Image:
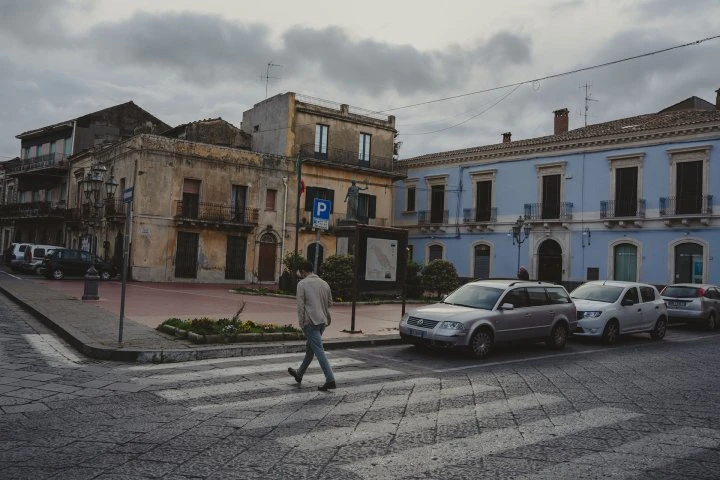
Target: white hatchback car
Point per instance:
(608, 309)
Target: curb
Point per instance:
(94, 350)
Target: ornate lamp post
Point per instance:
(520, 233)
(91, 185)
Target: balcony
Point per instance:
(115, 210)
(623, 212)
(433, 220)
(30, 210)
(481, 219)
(350, 159)
(51, 160)
(337, 218)
(215, 215)
(683, 209)
(549, 212)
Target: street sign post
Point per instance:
(320, 221)
(128, 199)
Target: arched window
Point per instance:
(435, 252)
(625, 262)
(481, 261)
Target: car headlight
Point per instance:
(404, 319)
(452, 326)
(591, 314)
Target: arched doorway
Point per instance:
(550, 261)
(688, 263)
(481, 263)
(625, 262)
(313, 249)
(267, 257)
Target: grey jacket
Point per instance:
(314, 300)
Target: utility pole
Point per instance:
(267, 76)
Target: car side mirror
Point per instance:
(627, 302)
(507, 306)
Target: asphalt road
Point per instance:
(641, 409)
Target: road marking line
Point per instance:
(274, 384)
(11, 275)
(213, 361)
(232, 371)
(633, 458)
(337, 437)
(417, 460)
(265, 403)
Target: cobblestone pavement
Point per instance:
(640, 410)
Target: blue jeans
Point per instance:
(314, 348)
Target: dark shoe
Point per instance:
(327, 386)
(294, 374)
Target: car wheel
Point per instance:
(658, 333)
(58, 274)
(558, 337)
(611, 334)
(481, 343)
(711, 322)
(105, 275)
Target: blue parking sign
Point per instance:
(321, 213)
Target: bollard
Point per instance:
(92, 279)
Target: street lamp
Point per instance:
(91, 185)
(520, 233)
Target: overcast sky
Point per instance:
(185, 60)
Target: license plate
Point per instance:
(676, 304)
(417, 333)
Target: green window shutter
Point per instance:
(309, 198)
(371, 206)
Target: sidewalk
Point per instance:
(92, 327)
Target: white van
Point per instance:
(37, 254)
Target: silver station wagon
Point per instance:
(479, 314)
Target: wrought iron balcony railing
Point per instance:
(482, 215)
(549, 211)
(115, 208)
(348, 157)
(33, 210)
(216, 213)
(336, 218)
(51, 160)
(686, 205)
(622, 208)
(433, 217)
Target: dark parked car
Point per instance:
(75, 263)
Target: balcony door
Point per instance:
(437, 204)
(239, 203)
(483, 202)
(551, 196)
(689, 187)
(550, 265)
(190, 198)
(267, 258)
(626, 191)
(689, 263)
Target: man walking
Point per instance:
(314, 300)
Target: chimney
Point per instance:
(717, 99)
(561, 121)
(506, 137)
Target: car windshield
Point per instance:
(681, 292)
(474, 296)
(598, 293)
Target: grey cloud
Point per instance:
(34, 22)
(668, 8)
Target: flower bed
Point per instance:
(228, 330)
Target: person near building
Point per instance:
(314, 300)
(523, 274)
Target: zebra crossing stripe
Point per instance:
(265, 403)
(56, 353)
(278, 384)
(629, 459)
(338, 437)
(192, 365)
(431, 457)
(232, 371)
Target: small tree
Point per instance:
(413, 280)
(337, 270)
(291, 262)
(440, 276)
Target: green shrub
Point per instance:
(440, 276)
(288, 279)
(227, 326)
(413, 280)
(337, 270)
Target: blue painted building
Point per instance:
(630, 199)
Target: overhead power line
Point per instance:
(555, 75)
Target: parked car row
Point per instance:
(482, 313)
(55, 262)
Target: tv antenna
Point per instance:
(267, 76)
(588, 99)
